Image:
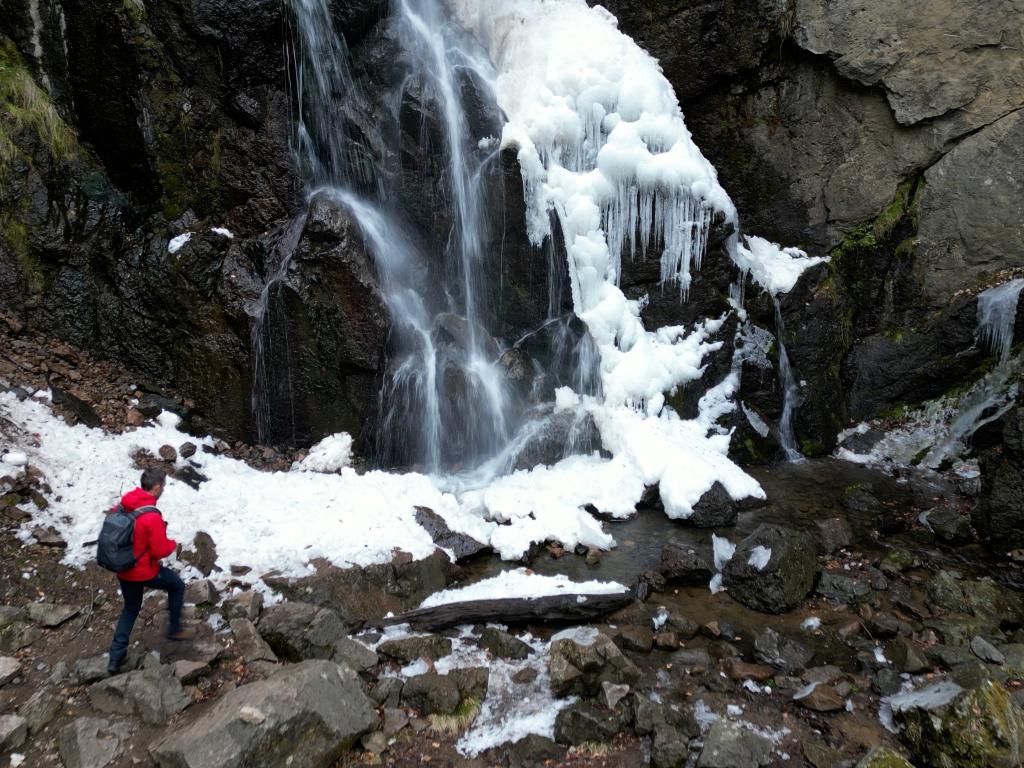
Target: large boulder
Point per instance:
(153, 694)
(307, 714)
(772, 570)
(297, 631)
(581, 659)
(947, 725)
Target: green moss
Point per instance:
(26, 110)
(883, 757)
(812, 448)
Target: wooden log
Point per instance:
(514, 610)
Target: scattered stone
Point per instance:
(946, 725)
(883, 757)
(250, 643)
(907, 656)
(92, 742)
(201, 592)
(13, 732)
(503, 645)
(985, 651)
(375, 742)
(388, 691)
(715, 509)
(827, 674)
(76, 406)
(820, 698)
(886, 681)
(167, 453)
(949, 525)
(633, 638)
(944, 592)
(154, 694)
(833, 534)
(10, 668)
(394, 721)
(431, 694)
(203, 555)
(89, 670)
(39, 710)
(730, 746)
(582, 659)
(667, 641)
(409, 649)
(134, 418)
(306, 714)
(843, 589)
(612, 694)
(785, 654)
(685, 564)
(593, 556)
(245, 605)
(742, 670)
(461, 545)
(49, 537)
(585, 722)
(297, 631)
(472, 682)
(50, 615)
(525, 676)
(783, 581)
(692, 659)
(189, 671)
(354, 654)
(669, 747)
(187, 450)
(687, 629)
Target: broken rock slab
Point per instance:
(92, 742)
(154, 694)
(306, 714)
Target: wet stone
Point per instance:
(431, 694)
(503, 645)
(730, 746)
(633, 638)
(832, 534)
(838, 588)
(819, 698)
(781, 582)
(409, 649)
(985, 651)
(388, 691)
(584, 722)
(687, 565)
(781, 652)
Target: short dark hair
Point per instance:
(151, 478)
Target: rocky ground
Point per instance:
(847, 592)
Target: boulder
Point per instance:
(15, 630)
(354, 654)
(250, 643)
(947, 725)
(244, 605)
(985, 651)
(686, 564)
(431, 694)
(388, 691)
(297, 631)
(585, 722)
(49, 615)
(772, 570)
(948, 525)
(472, 682)
(503, 645)
(13, 732)
(306, 714)
(153, 694)
(201, 592)
(10, 668)
(92, 742)
(409, 649)
(637, 639)
(535, 751)
(669, 747)
(832, 534)
(789, 656)
(907, 656)
(943, 591)
(729, 746)
(715, 509)
(190, 671)
(581, 659)
(839, 588)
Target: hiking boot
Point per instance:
(181, 634)
(114, 666)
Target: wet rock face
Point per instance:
(772, 570)
(999, 515)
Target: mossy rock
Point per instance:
(982, 728)
(883, 757)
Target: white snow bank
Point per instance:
(178, 242)
(278, 520)
(774, 268)
(524, 584)
(331, 454)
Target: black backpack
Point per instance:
(115, 549)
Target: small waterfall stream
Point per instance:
(790, 391)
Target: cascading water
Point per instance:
(790, 391)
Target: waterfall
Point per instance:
(791, 398)
(997, 312)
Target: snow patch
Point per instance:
(759, 557)
(774, 268)
(331, 454)
(522, 583)
(223, 232)
(178, 242)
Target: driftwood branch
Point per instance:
(514, 610)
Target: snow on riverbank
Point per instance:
(524, 584)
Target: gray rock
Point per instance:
(833, 534)
(944, 591)
(584, 722)
(409, 649)
(431, 694)
(461, 545)
(190, 671)
(15, 630)
(13, 732)
(201, 592)
(394, 721)
(306, 714)
(843, 589)
(633, 638)
(153, 694)
(583, 659)
(784, 581)
(92, 742)
(985, 651)
(819, 697)
(692, 659)
(203, 554)
(250, 643)
(245, 605)
(354, 654)
(187, 450)
(612, 694)
(50, 615)
(781, 652)
(388, 691)
(10, 668)
(686, 564)
(730, 746)
(39, 710)
(298, 631)
(88, 670)
(669, 747)
(535, 751)
(503, 645)
(472, 682)
(715, 509)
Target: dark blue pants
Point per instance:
(165, 579)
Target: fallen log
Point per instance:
(514, 610)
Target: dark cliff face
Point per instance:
(128, 124)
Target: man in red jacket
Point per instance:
(151, 544)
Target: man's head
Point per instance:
(153, 481)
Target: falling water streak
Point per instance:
(790, 392)
(997, 313)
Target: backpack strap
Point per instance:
(136, 513)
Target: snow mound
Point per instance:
(331, 454)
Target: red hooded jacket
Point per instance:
(151, 542)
